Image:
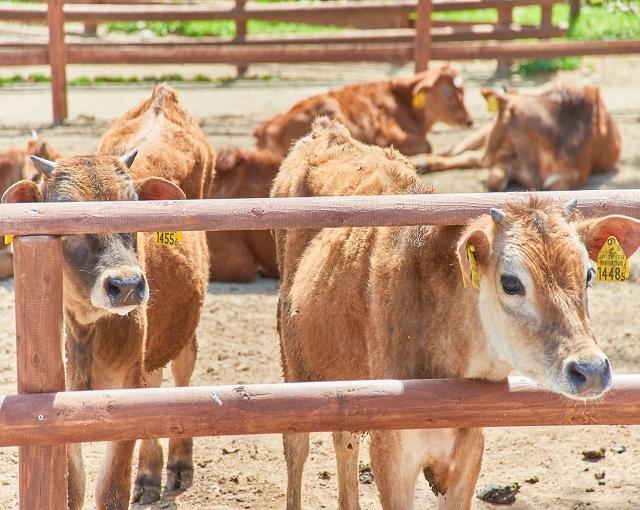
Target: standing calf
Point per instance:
(131, 306)
(552, 140)
(398, 112)
(397, 303)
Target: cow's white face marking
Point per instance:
(458, 82)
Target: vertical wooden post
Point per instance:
(241, 35)
(422, 50)
(574, 11)
(546, 16)
(505, 18)
(90, 27)
(57, 60)
(38, 289)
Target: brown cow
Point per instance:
(238, 256)
(397, 303)
(14, 166)
(398, 112)
(131, 305)
(162, 120)
(551, 140)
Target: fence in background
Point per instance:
(398, 31)
(40, 421)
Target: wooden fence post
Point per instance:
(241, 35)
(505, 18)
(423, 35)
(57, 60)
(38, 290)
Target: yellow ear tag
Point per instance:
(168, 238)
(418, 101)
(613, 264)
(473, 265)
(492, 104)
(8, 239)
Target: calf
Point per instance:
(398, 303)
(551, 140)
(161, 120)
(14, 166)
(398, 112)
(131, 305)
(238, 256)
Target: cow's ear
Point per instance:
(22, 191)
(595, 232)
(476, 242)
(156, 188)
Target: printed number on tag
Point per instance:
(613, 264)
(473, 265)
(168, 238)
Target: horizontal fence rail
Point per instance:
(83, 416)
(275, 213)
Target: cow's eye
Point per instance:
(511, 285)
(590, 274)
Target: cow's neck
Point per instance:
(458, 313)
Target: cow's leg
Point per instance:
(113, 487)
(347, 445)
(428, 163)
(180, 461)
(474, 141)
(296, 450)
(498, 179)
(464, 469)
(147, 488)
(76, 480)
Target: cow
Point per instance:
(161, 119)
(239, 256)
(399, 303)
(14, 166)
(398, 112)
(550, 140)
(131, 305)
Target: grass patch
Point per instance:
(99, 80)
(546, 66)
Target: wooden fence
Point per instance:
(42, 418)
(404, 31)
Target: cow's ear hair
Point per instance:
(595, 232)
(22, 191)
(156, 188)
(478, 240)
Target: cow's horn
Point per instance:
(129, 158)
(45, 166)
(570, 205)
(497, 215)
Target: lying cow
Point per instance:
(14, 166)
(552, 140)
(131, 305)
(241, 255)
(378, 303)
(162, 120)
(398, 112)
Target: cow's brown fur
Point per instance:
(379, 113)
(239, 256)
(14, 166)
(551, 140)
(162, 120)
(392, 303)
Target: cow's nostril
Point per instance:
(577, 374)
(125, 289)
(113, 290)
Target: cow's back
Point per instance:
(325, 272)
(169, 141)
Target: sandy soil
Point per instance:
(237, 336)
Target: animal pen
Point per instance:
(398, 31)
(42, 418)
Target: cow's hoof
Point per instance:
(146, 490)
(179, 476)
(424, 169)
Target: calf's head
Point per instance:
(534, 266)
(102, 273)
(439, 97)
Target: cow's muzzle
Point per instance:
(587, 377)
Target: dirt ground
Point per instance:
(237, 335)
